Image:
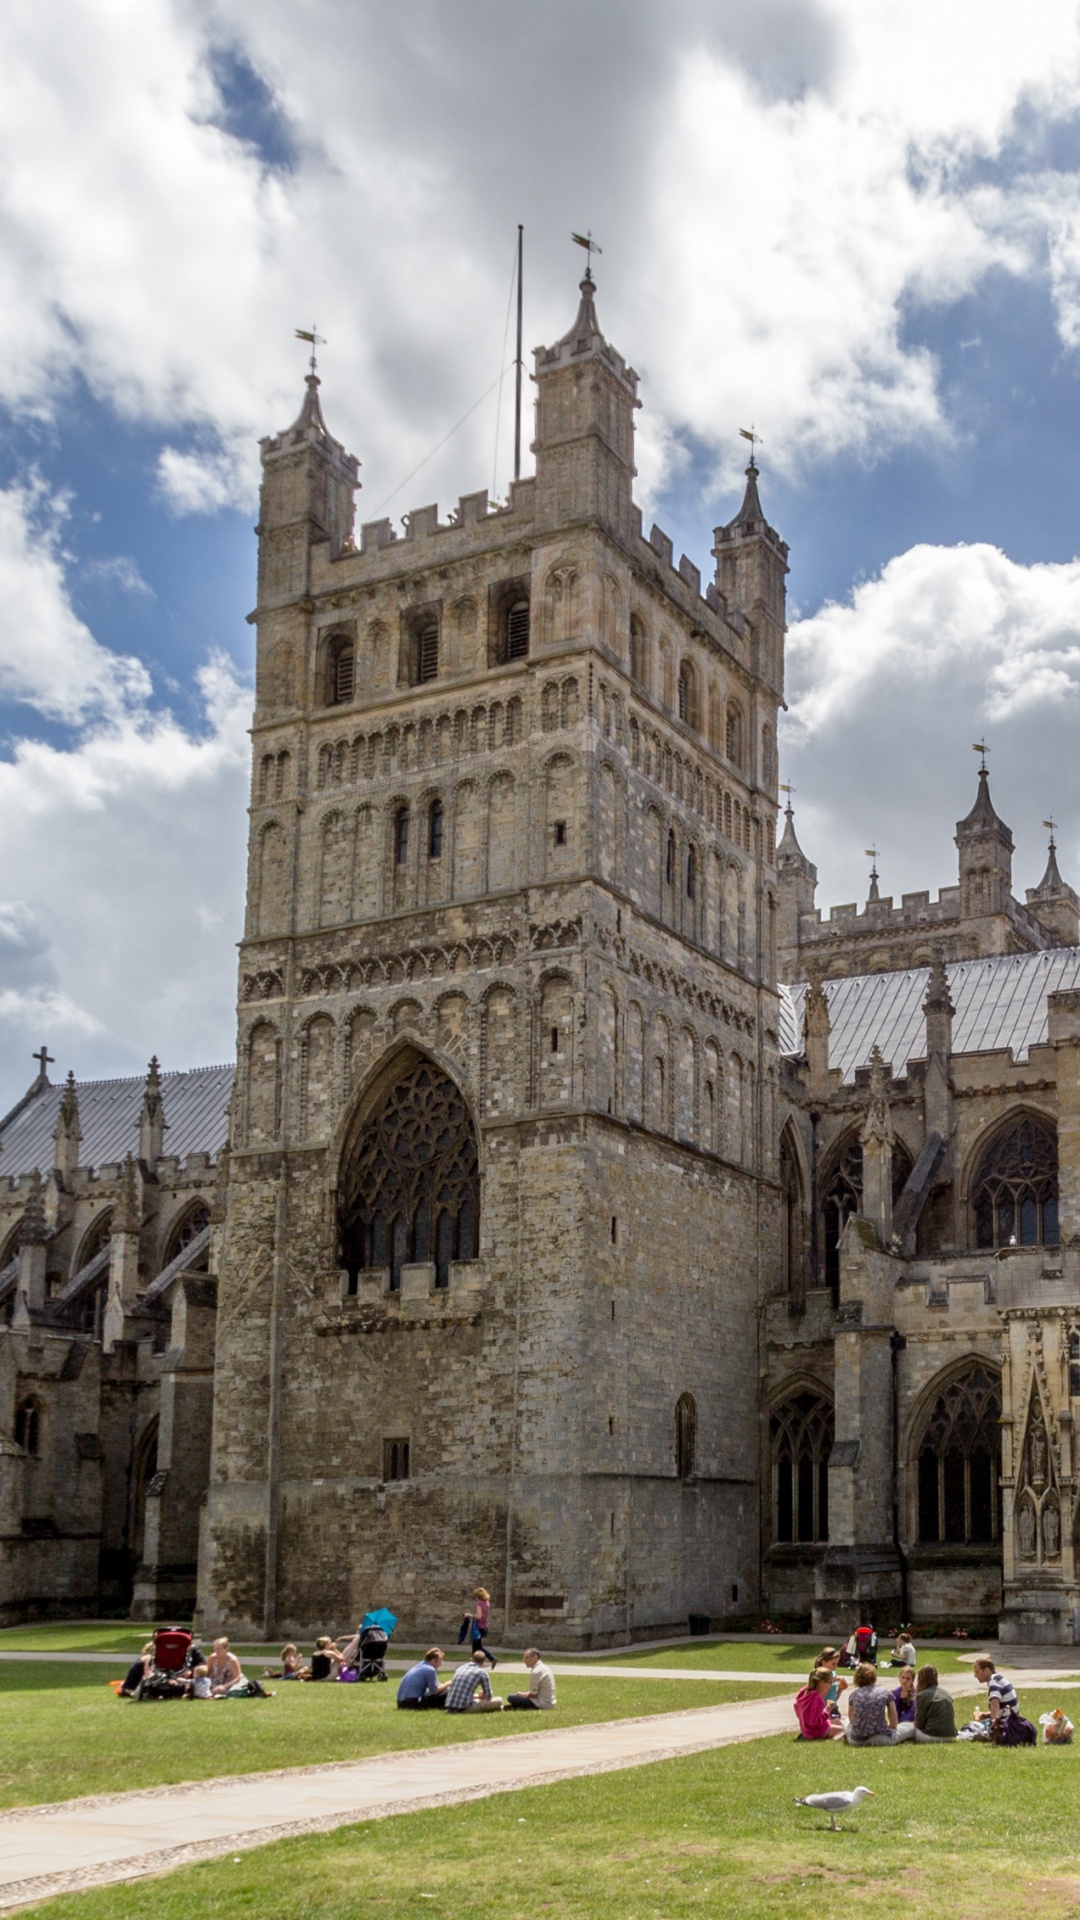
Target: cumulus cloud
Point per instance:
(121, 862)
(775, 187)
(889, 689)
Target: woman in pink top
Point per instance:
(481, 1619)
(811, 1710)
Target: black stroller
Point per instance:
(375, 1631)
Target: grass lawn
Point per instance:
(781, 1656)
(63, 1732)
(964, 1831)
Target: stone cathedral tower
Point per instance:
(502, 1197)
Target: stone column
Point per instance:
(33, 1255)
(937, 1086)
(876, 1137)
(816, 1038)
(165, 1581)
(123, 1257)
(860, 1570)
(1063, 1013)
(1041, 1601)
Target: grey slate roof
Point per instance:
(196, 1112)
(1000, 1002)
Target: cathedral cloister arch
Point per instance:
(408, 1170)
(952, 1450)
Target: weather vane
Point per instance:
(980, 746)
(785, 788)
(313, 339)
(871, 854)
(1051, 826)
(590, 245)
(755, 439)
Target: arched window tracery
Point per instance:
(411, 1187)
(959, 1457)
(185, 1231)
(1014, 1195)
(801, 1436)
(842, 1196)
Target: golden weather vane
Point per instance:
(980, 747)
(590, 245)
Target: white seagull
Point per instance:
(834, 1803)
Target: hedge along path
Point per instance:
(104, 1838)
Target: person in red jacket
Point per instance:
(811, 1709)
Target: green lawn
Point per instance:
(63, 1732)
(782, 1656)
(965, 1831)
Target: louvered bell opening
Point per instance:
(517, 631)
(344, 673)
(427, 652)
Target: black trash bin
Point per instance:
(699, 1623)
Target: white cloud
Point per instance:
(889, 689)
(121, 862)
(774, 189)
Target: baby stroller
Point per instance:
(166, 1677)
(375, 1631)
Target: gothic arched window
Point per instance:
(185, 1231)
(516, 642)
(28, 1428)
(1014, 1195)
(411, 1188)
(685, 1436)
(801, 1436)
(733, 735)
(687, 696)
(638, 653)
(842, 1196)
(959, 1458)
(791, 1245)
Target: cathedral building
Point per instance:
(585, 1215)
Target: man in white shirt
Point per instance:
(541, 1695)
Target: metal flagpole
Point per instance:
(517, 365)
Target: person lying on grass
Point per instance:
(541, 1694)
(469, 1681)
(812, 1708)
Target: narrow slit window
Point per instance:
(517, 630)
(427, 650)
(435, 830)
(670, 866)
(395, 1460)
(691, 877)
(401, 836)
(560, 833)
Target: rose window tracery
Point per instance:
(411, 1188)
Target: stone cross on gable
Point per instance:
(45, 1061)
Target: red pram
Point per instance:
(166, 1677)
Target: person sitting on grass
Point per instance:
(871, 1713)
(903, 1697)
(420, 1686)
(467, 1682)
(199, 1687)
(903, 1649)
(812, 1709)
(541, 1694)
(289, 1668)
(935, 1715)
(326, 1660)
(1007, 1725)
(224, 1669)
(828, 1658)
(137, 1672)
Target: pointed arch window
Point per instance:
(1015, 1191)
(194, 1222)
(801, 1438)
(959, 1459)
(410, 1190)
(517, 630)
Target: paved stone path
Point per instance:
(104, 1838)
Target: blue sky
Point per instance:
(853, 225)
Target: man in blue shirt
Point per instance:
(420, 1686)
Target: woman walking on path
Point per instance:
(481, 1620)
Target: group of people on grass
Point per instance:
(214, 1676)
(917, 1709)
(468, 1689)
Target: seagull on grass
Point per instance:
(834, 1803)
